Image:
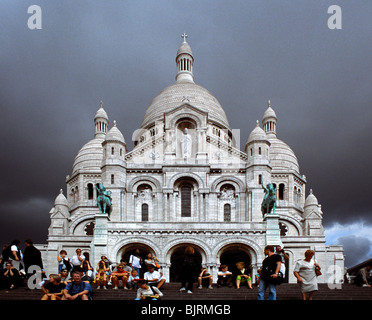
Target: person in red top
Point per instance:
(119, 274)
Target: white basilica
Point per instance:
(186, 182)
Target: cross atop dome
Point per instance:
(184, 36)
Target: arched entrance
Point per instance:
(176, 259)
(234, 253)
(129, 249)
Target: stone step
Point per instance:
(171, 292)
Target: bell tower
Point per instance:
(184, 60)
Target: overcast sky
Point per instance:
(246, 52)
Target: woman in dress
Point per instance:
(304, 271)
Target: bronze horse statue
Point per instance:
(103, 199)
(269, 200)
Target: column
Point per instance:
(272, 230)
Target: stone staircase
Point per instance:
(171, 292)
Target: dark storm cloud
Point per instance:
(358, 249)
(122, 52)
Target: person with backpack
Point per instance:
(77, 289)
(15, 255)
(270, 274)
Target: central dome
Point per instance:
(180, 93)
(185, 91)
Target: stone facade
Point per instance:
(206, 192)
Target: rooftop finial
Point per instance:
(268, 104)
(184, 36)
(101, 104)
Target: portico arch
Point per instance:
(130, 243)
(241, 248)
(175, 254)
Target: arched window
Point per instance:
(112, 179)
(295, 194)
(145, 212)
(186, 201)
(90, 191)
(227, 212)
(281, 191)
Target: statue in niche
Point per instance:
(269, 200)
(186, 144)
(227, 194)
(145, 194)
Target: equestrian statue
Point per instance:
(269, 200)
(104, 200)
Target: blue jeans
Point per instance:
(262, 288)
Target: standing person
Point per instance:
(87, 269)
(151, 259)
(135, 262)
(77, 289)
(270, 272)
(76, 261)
(304, 271)
(189, 269)
(16, 255)
(63, 261)
(284, 258)
(31, 256)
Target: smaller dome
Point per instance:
(311, 200)
(269, 113)
(61, 199)
(101, 113)
(114, 134)
(282, 156)
(257, 134)
(89, 157)
(184, 48)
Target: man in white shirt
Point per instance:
(76, 261)
(224, 277)
(153, 277)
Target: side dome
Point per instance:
(89, 157)
(180, 93)
(311, 200)
(61, 199)
(282, 156)
(115, 134)
(257, 134)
